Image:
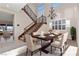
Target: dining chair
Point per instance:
(6, 35)
(31, 46)
(35, 40)
(60, 44)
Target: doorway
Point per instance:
(6, 26)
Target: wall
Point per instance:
(77, 22)
(23, 20)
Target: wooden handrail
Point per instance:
(26, 31)
(33, 16)
(42, 19)
(29, 25)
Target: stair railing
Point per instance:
(30, 13)
(42, 19)
(28, 26)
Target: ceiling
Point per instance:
(5, 17)
(12, 6)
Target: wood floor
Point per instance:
(72, 42)
(6, 46)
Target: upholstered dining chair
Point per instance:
(6, 35)
(31, 46)
(35, 40)
(60, 44)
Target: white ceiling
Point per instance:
(6, 17)
(12, 6)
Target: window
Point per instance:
(41, 9)
(59, 24)
(63, 27)
(9, 28)
(55, 5)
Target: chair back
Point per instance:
(6, 35)
(29, 41)
(64, 38)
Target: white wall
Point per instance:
(23, 20)
(77, 22)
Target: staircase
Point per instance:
(30, 13)
(34, 26)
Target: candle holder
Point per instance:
(50, 31)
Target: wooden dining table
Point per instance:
(46, 37)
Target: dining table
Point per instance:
(46, 37)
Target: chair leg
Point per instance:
(40, 53)
(61, 51)
(27, 51)
(31, 53)
(51, 49)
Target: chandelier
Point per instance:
(52, 14)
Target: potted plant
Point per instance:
(73, 33)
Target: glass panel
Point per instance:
(41, 8)
(59, 21)
(55, 5)
(59, 27)
(63, 22)
(1, 29)
(53, 27)
(59, 24)
(9, 28)
(52, 22)
(56, 22)
(56, 27)
(63, 27)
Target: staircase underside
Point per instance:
(38, 22)
(32, 29)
